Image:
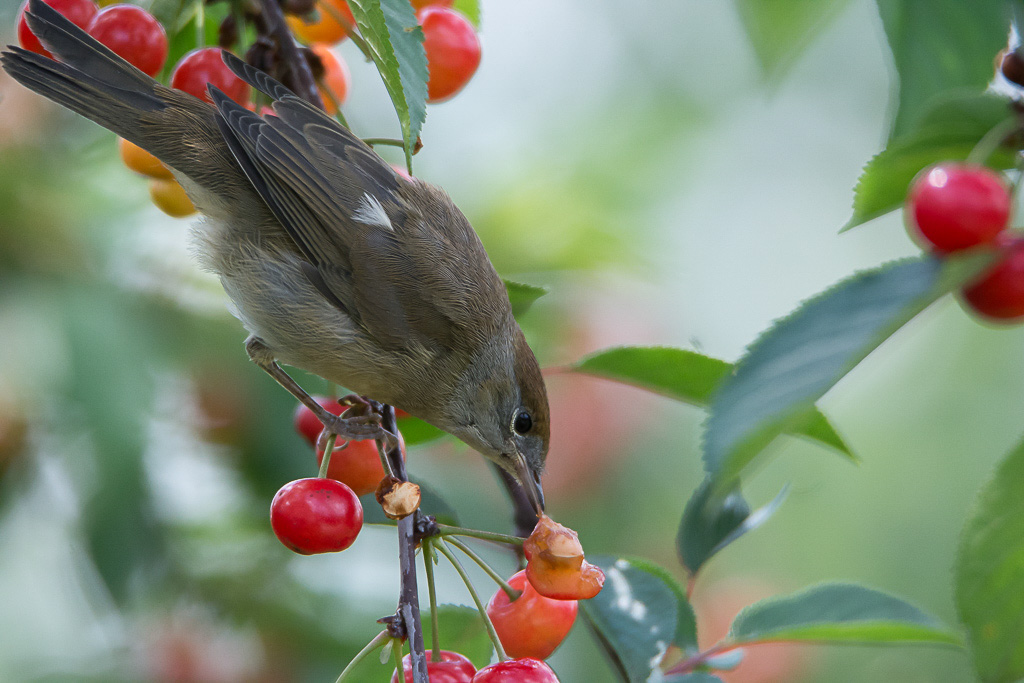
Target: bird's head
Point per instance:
(504, 413)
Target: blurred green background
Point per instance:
(633, 159)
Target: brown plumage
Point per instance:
(333, 262)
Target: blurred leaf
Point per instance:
(695, 677)
(804, 355)
(109, 346)
(780, 30)
(838, 613)
(939, 46)
(461, 630)
(634, 618)
(713, 520)
(415, 431)
(522, 296)
(990, 574)
(947, 131)
(396, 42)
(471, 8)
(431, 503)
(727, 661)
(686, 376)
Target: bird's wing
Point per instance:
(396, 256)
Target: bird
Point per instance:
(333, 262)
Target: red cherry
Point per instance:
(203, 66)
(80, 12)
(335, 81)
(453, 668)
(453, 51)
(307, 424)
(999, 294)
(420, 4)
(958, 206)
(555, 565)
(516, 671)
(134, 34)
(316, 516)
(532, 625)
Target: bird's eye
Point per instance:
(523, 422)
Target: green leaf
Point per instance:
(395, 38)
(990, 574)
(461, 630)
(415, 431)
(634, 618)
(804, 355)
(431, 503)
(838, 613)
(686, 623)
(780, 30)
(712, 520)
(939, 46)
(686, 376)
(522, 296)
(471, 8)
(949, 130)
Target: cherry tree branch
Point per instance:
(408, 600)
(302, 80)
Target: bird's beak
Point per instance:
(530, 479)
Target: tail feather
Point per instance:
(114, 108)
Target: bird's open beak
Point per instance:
(530, 480)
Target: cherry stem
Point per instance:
(990, 142)
(396, 652)
(512, 593)
(691, 663)
(357, 39)
(491, 633)
(377, 641)
(200, 23)
(391, 142)
(446, 530)
(435, 630)
(328, 449)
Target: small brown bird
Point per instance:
(333, 262)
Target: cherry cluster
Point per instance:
(952, 207)
(450, 41)
(531, 613)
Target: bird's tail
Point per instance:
(90, 79)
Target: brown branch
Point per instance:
(302, 80)
(408, 600)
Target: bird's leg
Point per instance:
(360, 427)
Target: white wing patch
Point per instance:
(371, 212)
